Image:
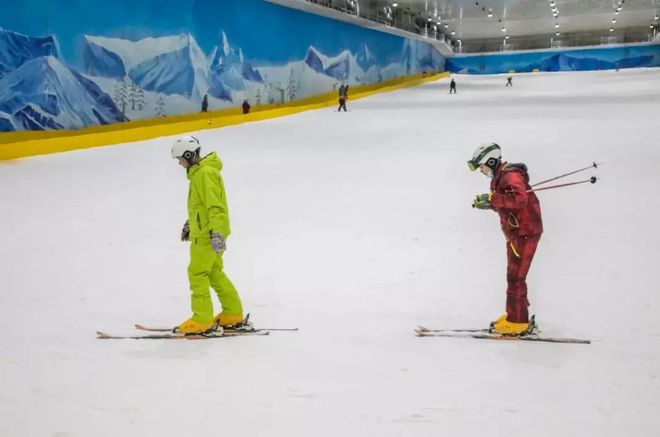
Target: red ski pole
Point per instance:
(592, 180)
(594, 165)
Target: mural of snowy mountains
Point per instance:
(566, 60)
(45, 94)
(120, 79)
(39, 92)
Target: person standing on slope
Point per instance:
(343, 96)
(207, 229)
(520, 217)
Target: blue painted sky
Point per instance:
(267, 33)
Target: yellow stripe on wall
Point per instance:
(29, 143)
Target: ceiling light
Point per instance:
(395, 4)
(611, 29)
(613, 20)
(453, 32)
(656, 17)
(504, 29)
(556, 25)
(557, 34)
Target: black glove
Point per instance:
(185, 232)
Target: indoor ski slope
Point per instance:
(354, 227)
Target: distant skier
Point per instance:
(205, 103)
(509, 81)
(520, 218)
(343, 96)
(207, 229)
(246, 107)
(452, 86)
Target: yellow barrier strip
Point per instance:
(21, 144)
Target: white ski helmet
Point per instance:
(488, 154)
(186, 147)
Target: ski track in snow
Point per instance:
(355, 228)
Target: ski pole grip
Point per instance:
(593, 179)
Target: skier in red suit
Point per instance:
(520, 217)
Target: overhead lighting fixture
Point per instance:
(611, 29)
(557, 34)
(504, 29)
(395, 4)
(556, 25)
(613, 20)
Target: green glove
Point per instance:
(482, 201)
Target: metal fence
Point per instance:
(407, 19)
(401, 17)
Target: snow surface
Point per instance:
(355, 227)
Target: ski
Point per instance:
(229, 329)
(425, 329)
(180, 336)
(245, 326)
(532, 334)
(485, 335)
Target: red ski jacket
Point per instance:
(519, 211)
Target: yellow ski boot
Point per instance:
(229, 321)
(191, 326)
(505, 327)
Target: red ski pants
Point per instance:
(520, 253)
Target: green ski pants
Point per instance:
(206, 269)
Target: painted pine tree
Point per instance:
(121, 95)
(160, 107)
(292, 88)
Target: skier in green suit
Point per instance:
(207, 229)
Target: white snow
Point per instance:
(355, 227)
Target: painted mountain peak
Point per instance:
(16, 49)
(168, 65)
(45, 94)
(365, 58)
(229, 70)
(343, 67)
